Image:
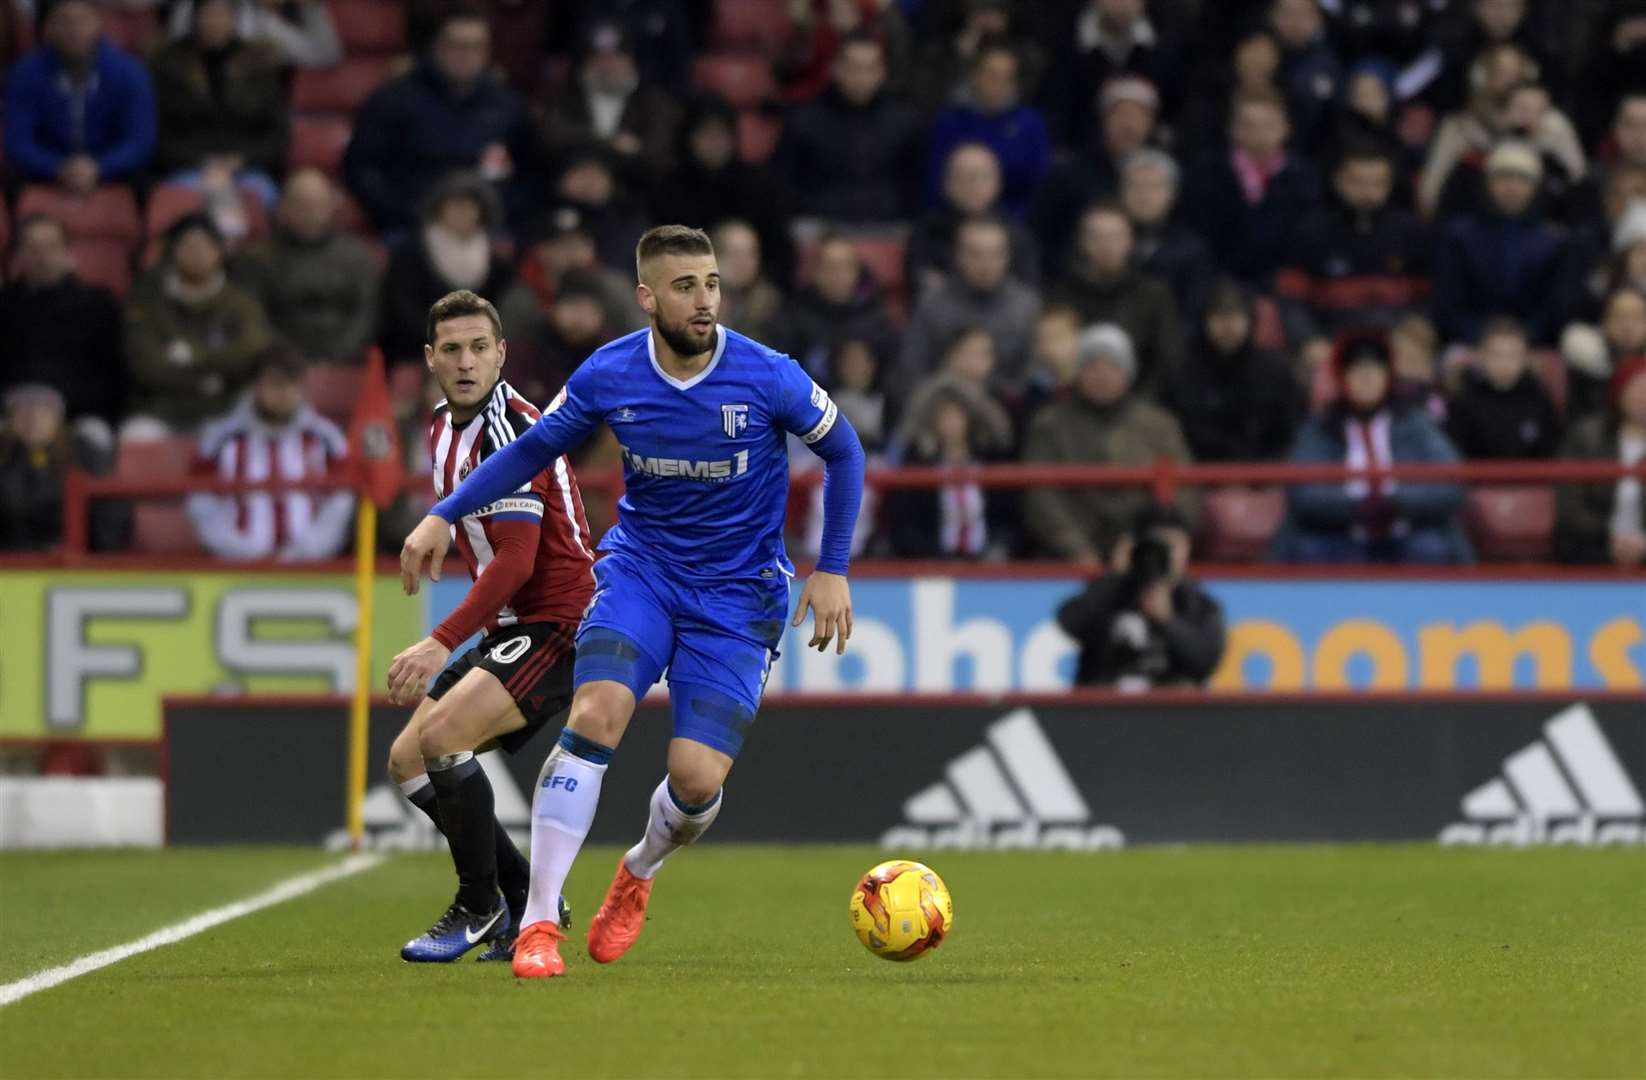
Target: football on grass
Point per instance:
(901, 910)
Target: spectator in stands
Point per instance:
(613, 216)
(957, 521)
(1101, 423)
(608, 104)
(1472, 132)
(1145, 622)
(448, 114)
(993, 115)
(36, 448)
(1369, 518)
(946, 54)
(1528, 115)
(1484, 26)
(710, 184)
(1611, 74)
(1605, 521)
(1355, 260)
(222, 105)
(191, 334)
(1052, 371)
(980, 292)
(659, 32)
(842, 301)
(1236, 402)
(749, 303)
(856, 387)
(1108, 38)
(1252, 70)
(1127, 112)
(971, 186)
(1368, 112)
(60, 332)
(78, 110)
(1592, 357)
(1245, 200)
(575, 326)
(554, 245)
(1501, 408)
(1106, 287)
(272, 434)
(820, 30)
(853, 154)
(301, 32)
(1414, 348)
(1310, 72)
(318, 285)
(1507, 261)
(452, 251)
(1628, 265)
(1163, 246)
(968, 374)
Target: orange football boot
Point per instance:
(537, 951)
(621, 917)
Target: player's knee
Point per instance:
(696, 771)
(601, 715)
(695, 788)
(441, 734)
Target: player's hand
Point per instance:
(830, 598)
(427, 544)
(411, 671)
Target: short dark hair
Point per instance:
(1106, 205)
(671, 240)
(1501, 326)
(455, 305)
(1265, 96)
(280, 357)
(1365, 150)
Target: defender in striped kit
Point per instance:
(528, 552)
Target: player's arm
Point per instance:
(514, 534)
(563, 426)
(808, 412)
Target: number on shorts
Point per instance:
(511, 650)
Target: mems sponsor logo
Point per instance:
(736, 465)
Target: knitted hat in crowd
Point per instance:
(1106, 341)
(1517, 157)
(1360, 345)
(1133, 88)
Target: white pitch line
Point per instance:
(289, 889)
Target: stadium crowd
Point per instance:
(1065, 231)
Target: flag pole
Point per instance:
(365, 548)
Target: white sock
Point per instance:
(568, 789)
(668, 829)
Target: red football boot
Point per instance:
(621, 917)
(537, 951)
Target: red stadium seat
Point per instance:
(883, 253)
(109, 213)
(148, 459)
(742, 80)
(136, 30)
(5, 229)
(318, 142)
(1511, 524)
(761, 25)
(332, 389)
(1551, 368)
(341, 88)
(757, 135)
(1236, 524)
(103, 262)
(370, 27)
(168, 202)
(160, 528)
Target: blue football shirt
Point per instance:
(705, 464)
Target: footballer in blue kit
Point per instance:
(695, 580)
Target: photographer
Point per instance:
(1144, 624)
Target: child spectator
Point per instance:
(36, 449)
(1501, 410)
(1236, 402)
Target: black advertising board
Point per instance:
(1038, 774)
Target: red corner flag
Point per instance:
(374, 441)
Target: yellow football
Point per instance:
(901, 910)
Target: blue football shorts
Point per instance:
(716, 640)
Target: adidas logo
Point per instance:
(393, 824)
(1567, 788)
(1012, 792)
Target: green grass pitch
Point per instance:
(1263, 961)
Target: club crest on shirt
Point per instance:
(463, 470)
(734, 419)
(625, 415)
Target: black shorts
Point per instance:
(533, 661)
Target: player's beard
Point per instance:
(681, 339)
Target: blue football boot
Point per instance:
(456, 932)
(502, 946)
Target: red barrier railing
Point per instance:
(1164, 478)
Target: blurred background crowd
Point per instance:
(1061, 231)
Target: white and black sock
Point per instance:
(671, 825)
